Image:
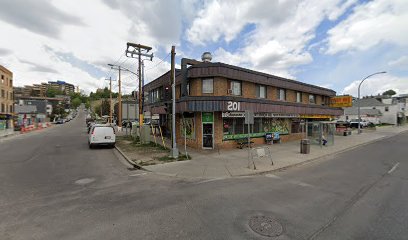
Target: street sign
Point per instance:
(249, 117)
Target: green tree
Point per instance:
(389, 92)
(87, 104)
(76, 102)
(53, 92)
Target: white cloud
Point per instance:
(370, 24)
(377, 85)
(400, 63)
(282, 31)
(99, 39)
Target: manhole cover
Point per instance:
(265, 226)
(84, 181)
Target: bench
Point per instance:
(242, 142)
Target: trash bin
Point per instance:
(305, 146)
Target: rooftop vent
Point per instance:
(206, 57)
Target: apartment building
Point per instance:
(6, 98)
(62, 86)
(211, 99)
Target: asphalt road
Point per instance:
(54, 187)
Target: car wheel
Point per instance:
(112, 146)
(90, 146)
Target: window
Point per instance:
(281, 94)
(2, 93)
(11, 82)
(312, 98)
(387, 109)
(298, 97)
(11, 108)
(208, 85)
(188, 89)
(2, 107)
(260, 91)
(235, 87)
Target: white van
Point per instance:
(102, 134)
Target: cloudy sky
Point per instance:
(332, 44)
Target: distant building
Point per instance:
(62, 86)
(6, 98)
(377, 109)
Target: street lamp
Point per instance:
(358, 103)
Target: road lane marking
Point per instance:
(137, 174)
(393, 168)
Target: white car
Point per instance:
(102, 134)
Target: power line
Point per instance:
(161, 61)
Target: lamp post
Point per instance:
(358, 103)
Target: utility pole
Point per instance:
(116, 67)
(110, 96)
(139, 50)
(174, 150)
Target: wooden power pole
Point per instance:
(139, 50)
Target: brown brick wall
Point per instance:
(220, 86)
(290, 95)
(195, 87)
(319, 99)
(248, 90)
(271, 93)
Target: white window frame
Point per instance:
(298, 97)
(207, 80)
(236, 87)
(259, 93)
(282, 94)
(312, 96)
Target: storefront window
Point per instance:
(296, 127)
(239, 126)
(258, 125)
(228, 126)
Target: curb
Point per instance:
(8, 135)
(320, 157)
(135, 165)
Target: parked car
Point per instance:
(345, 124)
(354, 123)
(60, 121)
(102, 134)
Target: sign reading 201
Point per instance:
(233, 106)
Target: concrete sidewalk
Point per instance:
(234, 162)
(7, 133)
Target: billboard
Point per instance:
(341, 101)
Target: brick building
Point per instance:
(211, 99)
(6, 98)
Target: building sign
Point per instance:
(341, 101)
(259, 115)
(207, 117)
(233, 106)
